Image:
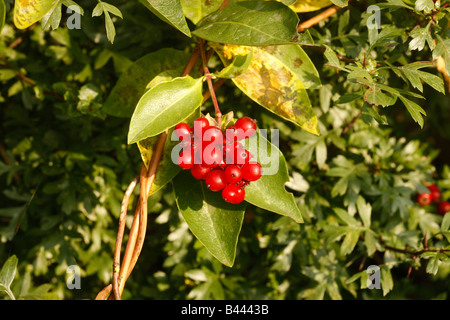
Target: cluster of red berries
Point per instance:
(434, 196)
(218, 158)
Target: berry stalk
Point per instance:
(210, 84)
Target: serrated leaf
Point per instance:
(255, 23)
(277, 78)
(195, 10)
(28, 12)
(214, 222)
(310, 5)
(269, 191)
(170, 11)
(163, 106)
(414, 109)
(132, 83)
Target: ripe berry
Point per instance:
(212, 156)
(199, 172)
(242, 156)
(200, 125)
(212, 135)
(216, 180)
(435, 193)
(423, 199)
(251, 171)
(246, 124)
(186, 160)
(233, 194)
(233, 174)
(443, 207)
(183, 131)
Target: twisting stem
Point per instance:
(210, 84)
(119, 238)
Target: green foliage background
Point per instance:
(65, 165)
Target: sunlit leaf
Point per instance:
(309, 5)
(27, 12)
(277, 78)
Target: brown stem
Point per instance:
(210, 84)
(316, 19)
(119, 238)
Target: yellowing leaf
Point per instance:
(277, 79)
(309, 5)
(27, 12)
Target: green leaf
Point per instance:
(269, 191)
(424, 5)
(106, 8)
(350, 241)
(414, 109)
(132, 83)
(256, 23)
(7, 275)
(214, 222)
(433, 265)
(370, 242)
(346, 217)
(237, 66)
(387, 284)
(195, 10)
(340, 3)
(163, 106)
(2, 14)
(420, 36)
(443, 50)
(277, 79)
(53, 17)
(170, 11)
(445, 224)
(415, 76)
(364, 210)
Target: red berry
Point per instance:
(233, 174)
(423, 199)
(435, 193)
(212, 134)
(233, 134)
(233, 194)
(183, 131)
(186, 160)
(443, 207)
(242, 156)
(199, 172)
(246, 124)
(200, 125)
(216, 180)
(251, 171)
(212, 156)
